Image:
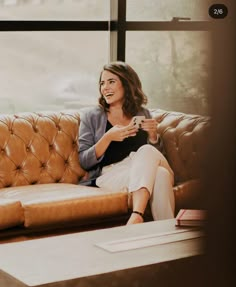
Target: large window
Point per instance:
(174, 65)
(54, 10)
(165, 10)
(51, 70)
(174, 68)
(51, 51)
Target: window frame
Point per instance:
(117, 26)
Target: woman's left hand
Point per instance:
(150, 126)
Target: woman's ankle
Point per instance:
(135, 217)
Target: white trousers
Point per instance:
(147, 167)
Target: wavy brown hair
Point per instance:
(134, 96)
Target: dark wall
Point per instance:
(221, 175)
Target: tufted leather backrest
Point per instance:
(43, 147)
(39, 148)
(185, 141)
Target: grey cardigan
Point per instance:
(92, 128)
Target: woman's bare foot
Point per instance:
(135, 218)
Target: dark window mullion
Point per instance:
(121, 26)
(117, 30)
(43, 25)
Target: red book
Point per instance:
(191, 217)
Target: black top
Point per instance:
(117, 151)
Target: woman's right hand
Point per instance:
(119, 133)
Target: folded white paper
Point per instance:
(150, 240)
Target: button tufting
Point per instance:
(39, 143)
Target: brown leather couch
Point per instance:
(185, 139)
(40, 170)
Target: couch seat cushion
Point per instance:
(46, 204)
(11, 213)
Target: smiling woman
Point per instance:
(117, 154)
(126, 90)
(111, 89)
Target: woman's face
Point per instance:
(112, 89)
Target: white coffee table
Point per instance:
(136, 253)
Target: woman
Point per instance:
(117, 154)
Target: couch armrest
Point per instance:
(189, 195)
